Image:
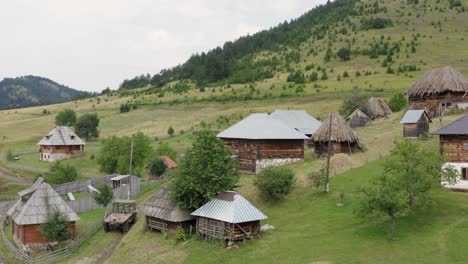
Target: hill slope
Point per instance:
(32, 91)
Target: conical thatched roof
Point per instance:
(358, 113)
(439, 81)
(341, 132)
(161, 206)
(378, 108)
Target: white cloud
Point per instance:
(90, 44)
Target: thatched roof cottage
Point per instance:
(378, 108)
(32, 210)
(415, 124)
(228, 216)
(343, 138)
(358, 119)
(438, 90)
(163, 214)
(60, 143)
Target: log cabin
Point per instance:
(358, 119)
(60, 143)
(453, 145)
(415, 124)
(163, 214)
(260, 141)
(438, 91)
(33, 208)
(228, 217)
(342, 137)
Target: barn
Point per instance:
(342, 137)
(453, 144)
(415, 124)
(60, 143)
(378, 108)
(228, 217)
(163, 214)
(358, 119)
(260, 141)
(439, 90)
(32, 210)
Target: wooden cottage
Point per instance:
(33, 209)
(228, 217)
(378, 108)
(260, 141)
(453, 144)
(358, 119)
(342, 137)
(415, 124)
(439, 90)
(60, 143)
(163, 214)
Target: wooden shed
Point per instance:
(358, 119)
(260, 141)
(33, 208)
(342, 137)
(60, 143)
(378, 108)
(163, 214)
(439, 90)
(415, 124)
(229, 217)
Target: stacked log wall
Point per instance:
(452, 147)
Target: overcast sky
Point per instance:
(92, 44)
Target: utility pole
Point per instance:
(130, 176)
(327, 179)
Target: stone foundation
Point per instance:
(53, 157)
(265, 163)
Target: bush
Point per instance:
(104, 196)
(9, 155)
(313, 76)
(170, 131)
(344, 54)
(356, 100)
(158, 167)
(397, 102)
(59, 173)
(56, 228)
(124, 108)
(318, 178)
(275, 182)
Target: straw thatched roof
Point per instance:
(379, 108)
(437, 81)
(340, 131)
(36, 208)
(161, 206)
(357, 114)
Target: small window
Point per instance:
(464, 174)
(72, 137)
(465, 146)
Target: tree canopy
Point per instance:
(104, 196)
(65, 117)
(87, 126)
(56, 228)
(356, 100)
(61, 173)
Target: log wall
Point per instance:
(31, 234)
(435, 104)
(417, 130)
(215, 229)
(452, 147)
(162, 225)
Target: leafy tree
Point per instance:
(164, 149)
(345, 74)
(66, 117)
(328, 55)
(275, 182)
(356, 100)
(86, 126)
(296, 77)
(9, 155)
(319, 178)
(344, 54)
(56, 228)
(104, 196)
(204, 171)
(324, 75)
(170, 131)
(397, 102)
(61, 173)
(124, 108)
(158, 167)
(313, 76)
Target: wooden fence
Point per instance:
(82, 186)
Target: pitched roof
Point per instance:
(457, 127)
(261, 126)
(438, 81)
(412, 116)
(230, 207)
(168, 161)
(61, 136)
(36, 209)
(161, 206)
(358, 113)
(297, 119)
(341, 132)
(378, 108)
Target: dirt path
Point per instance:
(13, 178)
(103, 256)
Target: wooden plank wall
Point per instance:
(432, 103)
(452, 147)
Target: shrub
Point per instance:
(158, 167)
(56, 228)
(60, 173)
(356, 100)
(124, 108)
(313, 76)
(344, 54)
(397, 102)
(170, 131)
(9, 155)
(104, 196)
(275, 182)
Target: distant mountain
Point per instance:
(32, 91)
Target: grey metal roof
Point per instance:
(119, 177)
(297, 119)
(230, 207)
(36, 209)
(412, 116)
(457, 127)
(61, 136)
(161, 206)
(261, 126)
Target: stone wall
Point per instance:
(52, 157)
(265, 163)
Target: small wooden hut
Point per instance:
(119, 181)
(60, 143)
(438, 90)
(378, 108)
(229, 217)
(163, 214)
(415, 124)
(32, 210)
(342, 137)
(358, 119)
